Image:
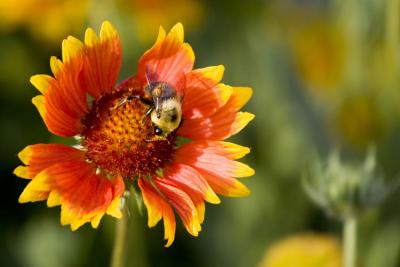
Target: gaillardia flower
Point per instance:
(119, 141)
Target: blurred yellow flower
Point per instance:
(150, 14)
(358, 121)
(304, 250)
(48, 20)
(319, 51)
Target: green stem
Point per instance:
(350, 242)
(121, 227)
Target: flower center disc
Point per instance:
(119, 138)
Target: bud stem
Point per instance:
(350, 241)
(121, 227)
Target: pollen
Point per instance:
(119, 137)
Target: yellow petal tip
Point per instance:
(22, 171)
(71, 47)
(115, 208)
(242, 119)
(55, 65)
(107, 30)
(212, 198)
(39, 101)
(53, 200)
(90, 37)
(22, 199)
(41, 82)
(169, 242)
(95, 222)
(242, 95)
(244, 170)
(161, 35)
(25, 154)
(238, 190)
(177, 32)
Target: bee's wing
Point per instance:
(199, 79)
(180, 86)
(151, 75)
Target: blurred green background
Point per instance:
(325, 74)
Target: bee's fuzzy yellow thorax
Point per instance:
(170, 115)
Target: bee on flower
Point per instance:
(128, 133)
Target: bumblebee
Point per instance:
(166, 109)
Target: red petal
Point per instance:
(189, 180)
(158, 208)
(224, 185)
(83, 192)
(224, 123)
(168, 60)
(183, 205)
(90, 68)
(213, 161)
(210, 156)
(64, 102)
(102, 60)
(84, 196)
(41, 156)
(203, 95)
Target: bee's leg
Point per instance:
(131, 97)
(141, 98)
(157, 138)
(146, 101)
(120, 103)
(158, 135)
(124, 100)
(148, 112)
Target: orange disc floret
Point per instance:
(118, 136)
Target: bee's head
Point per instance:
(160, 90)
(158, 131)
(155, 89)
(170, 117)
